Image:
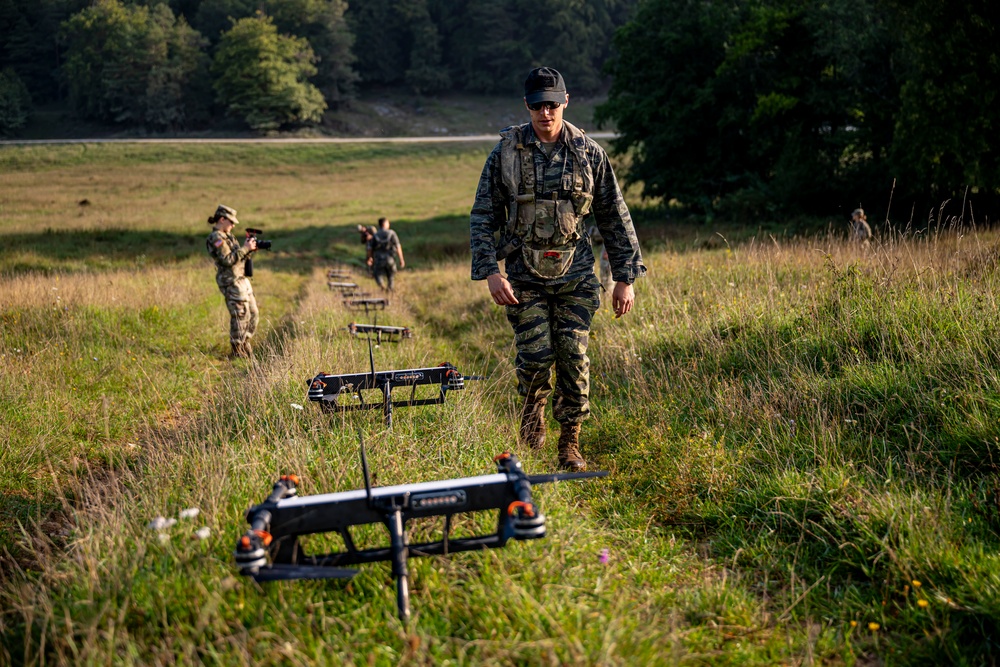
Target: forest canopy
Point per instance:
(155, 63)
(755, 107)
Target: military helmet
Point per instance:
(226, 212)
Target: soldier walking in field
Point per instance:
(538, 185)
(383, 248)
(230, 258)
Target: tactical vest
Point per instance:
(549, 225)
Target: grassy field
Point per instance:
(802, 434)
(385, 112)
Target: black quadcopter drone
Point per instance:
(270, 549)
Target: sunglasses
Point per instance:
(538, 106)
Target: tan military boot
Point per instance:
(569, 449)
(533, 424)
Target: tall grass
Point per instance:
(801, 435)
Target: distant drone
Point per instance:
(327, 390)
(392, 334)
(270, 551)
(339, 272)
(368, 304)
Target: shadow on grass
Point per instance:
(425, 241)
(294, 251)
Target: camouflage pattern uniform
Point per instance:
(552, 320)
(229, 258)
(607, 282)
(384, 245)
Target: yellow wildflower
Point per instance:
(854, 624)
(916, 584)
(873, 626)
(922, 603)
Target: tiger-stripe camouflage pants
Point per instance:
(552, 326)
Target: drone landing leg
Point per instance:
(397, 542)
(387, 403)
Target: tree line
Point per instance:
(765, 107)
(168, 65)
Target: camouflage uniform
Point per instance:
(607, 282)
(552, 320)
(384, 245)
(229, 258)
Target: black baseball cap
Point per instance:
(544, 84)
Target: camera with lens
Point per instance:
(261, 245)
(253, 233)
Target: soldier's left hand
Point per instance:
(623, 298)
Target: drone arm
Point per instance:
(252, 547)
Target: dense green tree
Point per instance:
(214, 17)
(426, 72)
(669, 110)
(321, 22)
(483, 45)
(947, 130)
(382, 58)
(262, 76)
(756, 105)
(497, 64)
(133, 64)
(767, 105)
(29, 42)
(15, 103)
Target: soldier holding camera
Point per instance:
(231, 260)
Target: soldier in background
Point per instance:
(537, 187)
(230, 258)
(860, 230)
(383, 248)
(601, 253)
(366, 232)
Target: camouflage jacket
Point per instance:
(229, 257)
(490, 213)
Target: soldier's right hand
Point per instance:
(250, 244)
(501, 291)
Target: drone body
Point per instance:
(270, 549)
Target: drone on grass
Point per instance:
(270, 550)
(331, 391)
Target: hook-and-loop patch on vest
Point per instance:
(549, 225)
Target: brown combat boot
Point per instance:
(533, 424)
(569, 449)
